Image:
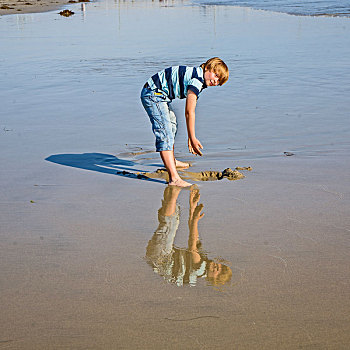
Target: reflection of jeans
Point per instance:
(160, 248)
(175, 265)
(163, 119)
(162, 241)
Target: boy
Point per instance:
(161, 89)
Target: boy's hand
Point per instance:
(194, 146)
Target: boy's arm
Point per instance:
(194, 145)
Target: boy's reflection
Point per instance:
(180, 265)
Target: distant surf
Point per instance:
(334, 8)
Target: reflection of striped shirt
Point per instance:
(176, 81)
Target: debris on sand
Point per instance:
(211, 175)
(249, 168)
(66, 13)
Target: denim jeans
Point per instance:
(163, 119)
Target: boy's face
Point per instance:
(214, 270)
(210, 78)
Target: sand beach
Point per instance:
(94, 254)
(35, 6)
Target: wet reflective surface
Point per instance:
(183, 266)
(287, 90)
(301, 8)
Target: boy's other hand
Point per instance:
(194, 146)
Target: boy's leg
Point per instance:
(173, 121)
(157, 108)
(169, 163)
(180, 164)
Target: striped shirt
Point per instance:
(176, 81)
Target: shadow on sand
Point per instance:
(103, 163)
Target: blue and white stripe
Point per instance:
(176, 81)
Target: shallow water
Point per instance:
(303, 8)
(287, 90)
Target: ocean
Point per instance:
(300, 8)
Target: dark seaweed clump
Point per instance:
(66, 13)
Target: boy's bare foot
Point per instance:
(170, 191)
(179, 183)
(180, 164)
(194, 197)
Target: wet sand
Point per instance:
(95, 257)
(9, 7)
(74, 272)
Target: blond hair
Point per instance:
(223, 278)
(217, 66)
